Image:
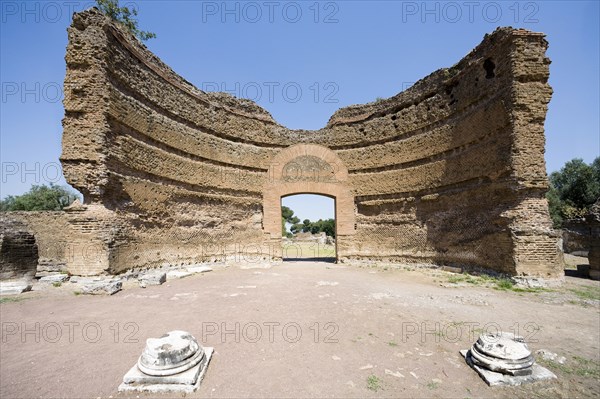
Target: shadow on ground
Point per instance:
(323, 259)
(582, 271)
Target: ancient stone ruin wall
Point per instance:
(51, 230)
(450, 171)
(576, 237)
(70, 240)
(593, 220)
(18, 250)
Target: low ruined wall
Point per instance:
(593, 220)
(51, 231)
(78, 240)
(18, 250)
(576, 235)
(450, 171)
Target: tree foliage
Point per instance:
(287, 216)
(40, 198)
(125, 16)
(573, 190)
(326, 226)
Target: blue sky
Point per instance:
(300, 60)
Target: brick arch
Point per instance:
(332, 184)
(277, 165)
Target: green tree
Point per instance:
(287, 216)
(124, 16)
(296, 228)
(315, 227)
(596, 168)
(306, 225)
(573, 189)
(40, 198)
(328, 227)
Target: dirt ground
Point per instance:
(301, 329)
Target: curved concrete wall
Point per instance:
(450, 171)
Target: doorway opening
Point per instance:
(308, 225)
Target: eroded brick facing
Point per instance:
(450, 171)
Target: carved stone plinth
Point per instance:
(174, 362)
(504, 359)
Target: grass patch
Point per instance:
(579, 366)
(392, 343)
(583, 304)
(432, 385)
(76, 293)
(303, 249)
(505, 284)
(529, 289)
(587, 292)
(586, 367)
(464, 278)
(499, 283)
(56, 284)
(12, 299)
(373, 383)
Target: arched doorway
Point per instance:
(308, 169)
(308, 228)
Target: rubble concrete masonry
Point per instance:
(448, 172)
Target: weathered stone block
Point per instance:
(14, 287)
(155, 278)
(102, 287)
(54, 278)
(198, 269)
(175, 274)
